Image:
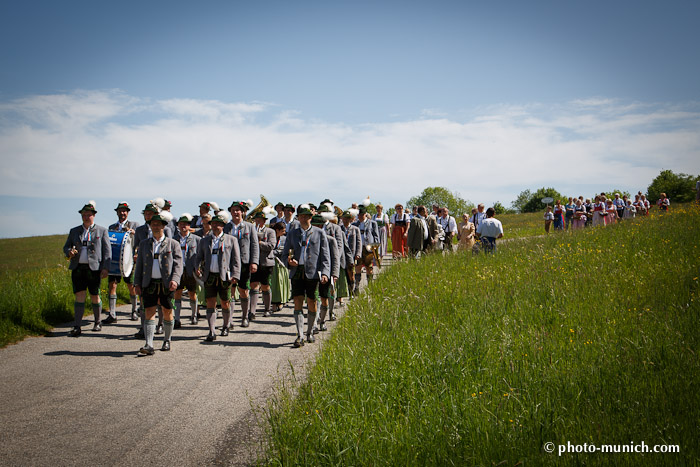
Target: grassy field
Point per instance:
(35, 287)
(586, 338)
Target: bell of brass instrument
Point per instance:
(261, 205)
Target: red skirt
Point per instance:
(398, 241)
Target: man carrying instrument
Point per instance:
(89, 251)
(354, 242)
(219, 266)
(157, 275)
(369, 234)
(260, 279)
(189, 244)
(247, 238)
(122, 225)
(307, 256)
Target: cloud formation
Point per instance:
(107, 144)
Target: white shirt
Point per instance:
(215, 248)
(448, 224)
(87, 235)
(155, 270)
(304, 236)
(477, 218)
(490, 227)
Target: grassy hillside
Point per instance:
(587, 338)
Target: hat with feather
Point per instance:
(185, 217)
(221, 216)
(326, 212)
(122, 205)
(89, 206)
(242, 205)
(164, 216)
(304, 209)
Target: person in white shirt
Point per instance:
(449, 226)
(122, 225)
(478, 216)
(489, 230)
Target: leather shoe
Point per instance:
(310, 338)
(134, 316)
(331, 316)
(266, 314)
(193, 321)
(147, 350)
(97, 327)
(299, 342)
(322, 326)
(159, 329)
(140, 334)
(178, 324)
(166, 346)
(211, 337)
(224, 331)
(75, 332)
(251, 316)
(245, 323)
(109, 320)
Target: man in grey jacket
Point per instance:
(89, 251)
(189, 244)
(219, 266)
(327, 291)
(157, 275)
(247, 243)
(352, 237)
(260, 280)
(309, 265)
(122, 225)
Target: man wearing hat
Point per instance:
(157, 274)
(189, 244)
(90, 253)
(369, 234)
(204, 208)
(417, 234)
(122, 225)
(279, 208)
(247, 238)
(289, 221)
(219, 266)
(354, 242)
(142, 233)
(260, 280)
(327, 291)
(308, 258)
(332, 230)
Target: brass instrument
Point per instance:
(264, 203)
(338, 212)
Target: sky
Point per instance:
(300, 101)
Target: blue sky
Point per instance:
(304, 100)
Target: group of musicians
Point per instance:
(305, 253)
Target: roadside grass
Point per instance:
(35, 287)
(460, 360)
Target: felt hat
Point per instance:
(348, 214)
(289, 206)
(122, 205)
(317, 220)
(304, 209)
(89, 206)
(151, 207)
(327, 201)
(279, 205)
(362, 209)
(167, 204)
(259, 215)
(221, 216)
(185, 217)
(164, 216)
(326, 212)
(242, 205)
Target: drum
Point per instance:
(122, 253)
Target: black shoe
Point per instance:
(147, 350)
(166, 346)
(193, 321)
(140, 334)
(245, 323)
(75, 332)
(211, 337)
(299, 342)
(199, 315)
(224, 331)
(110, 319)
(315, 330)
(251, 316)
(331, 316)
(322, 326)
(159, 329)
(134, 316)
(310, 338)
(178, 324)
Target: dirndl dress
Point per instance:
(280, 285)
(341, 287)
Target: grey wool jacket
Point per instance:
(189, 252)
(247, 241)
(99, 248)
(169, 259)
(267, 239)
(229, 257)
(318, 255)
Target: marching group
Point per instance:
(578, 213)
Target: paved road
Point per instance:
(93, 401)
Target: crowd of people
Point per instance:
(578, 213)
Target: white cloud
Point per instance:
(108, 144)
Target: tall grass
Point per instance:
(459, 360)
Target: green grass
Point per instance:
(522, 225)
(35, 287)
(587, 338)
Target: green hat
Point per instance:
(312, 206)
(164, 216)
(89, 206)
(123, 205)
(221, 216)
(362, 209)
(280, 204)
(347, 214)
(185, 217)
(317, 220)
(324, 208)
(150, 207)
(304, 209)
(242, 205)
(259, 215)
(289, 206)
(168, 204)
(327, 200)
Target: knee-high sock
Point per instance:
(150, 330)
(160, 315)
(226, 312)
(245, 304)
(113, 306)
(211, 319)
(133, 303)
(79, 309)
(96, 310)
(267, 299)
(310, 321)
(299, 319)
(324, 310)
(194, 306)
(331, 304)
(253, 305)
(178, 308)
(168, 329)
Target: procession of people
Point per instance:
(304, 254)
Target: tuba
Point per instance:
(264, 203)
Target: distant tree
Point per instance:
(498, 208)
(442, 197)
(534, 204)
(679, 188)
(521, 200)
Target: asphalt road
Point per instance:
(93, 400)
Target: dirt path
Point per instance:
(93, 401)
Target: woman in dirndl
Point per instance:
(599, 213)
(280, 285)
(382, 221)
(398, 228)
(465, 234)
(558, 216)
(579, 219)
(611, 209)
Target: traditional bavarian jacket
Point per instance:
(95, 240)
(117, 227)
(310, 249)
(188, 246)
(352, 237)
(267, 240)
(247, 237)
(227, 253)
(169, 258)
(369, 231)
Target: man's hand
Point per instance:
(324, 279)
(253, 268)
(137, 289)
(293, 263)
(173, 286)
(104, 273)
